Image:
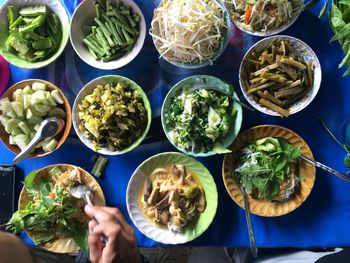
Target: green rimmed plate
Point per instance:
(210, 83)
(55, 6)
(163, 235)
(88, 89)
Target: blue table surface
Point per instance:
(322, 221)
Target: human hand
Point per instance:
(121, 246)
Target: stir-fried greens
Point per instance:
(113, 116)
(51, 211)
(198, 120)
(263, 15)
(268, 169)
(172, 197)
(188, 32)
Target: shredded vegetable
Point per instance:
(188, 32)
(262, 15)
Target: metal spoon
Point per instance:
(252, 242)
(326, 168)
(84, 192)
(50, 127)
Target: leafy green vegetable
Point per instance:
(264, 165)
(345, 146)
(339, 14)
(34, 32)
(51, 211)
(198, 120)
(112, 116)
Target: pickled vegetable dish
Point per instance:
(198, 120)
(21, 117)
(51, 211)
(115, 31)
(278, 76)
(172, 197)
(35, 32)
(188, 32)
(263, 15)
(112, 116)
(268, 169)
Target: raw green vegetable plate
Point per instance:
(84, 16)
(201, 126)
(163, 235)
(57, 8)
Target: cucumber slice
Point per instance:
(18, 95)
(57, 112)
(17, 107)
(37, 113)
(50, 145)
(4, 101)
(38, 86)
(27, 101)
(28, 90)
(35, 120)
(21, 140)
(37, 126)
(3, 120)
(38, 96)
(11, 125)
(33, 11)
(32, 134)
(42, 108)
(12, 140)
(56, 95)
(16, 131)
(29, 114)
(24, 127)
(51, 101)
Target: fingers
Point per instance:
(104, 214)
(95, 243)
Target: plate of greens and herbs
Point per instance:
(111, 115)
(201, 115)
(33, 33)
(50, 215)
(265, 161)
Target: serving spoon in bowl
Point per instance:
(49, 128)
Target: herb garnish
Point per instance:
(265, 164)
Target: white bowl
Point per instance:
(269, 32)
(198, 225)
(56, 7)
(307, 54)
(84, 15)
(88, 89)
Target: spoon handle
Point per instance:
(34, 142)
(103, 238)
(252, 242)
(326, 168)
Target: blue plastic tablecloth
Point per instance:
(322, 221)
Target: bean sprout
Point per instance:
(188, 32)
